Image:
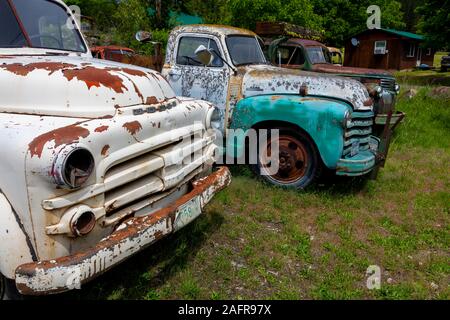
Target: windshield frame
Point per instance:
(324, 50)
(261, 52)
(27, 37)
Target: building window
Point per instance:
(429, 52)
(380, 47)
(411, 53)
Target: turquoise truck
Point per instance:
(322, 121)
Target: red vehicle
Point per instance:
(128, 56)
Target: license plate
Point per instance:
(374, 144)
(187, 213)
(355, 149)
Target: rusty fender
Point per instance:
(59, 275)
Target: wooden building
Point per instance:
(387, 49)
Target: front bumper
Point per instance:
(396, 119)
(360, 164)
(70, 272)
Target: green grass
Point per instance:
(423, 78)
(261, 242)
(438, 58)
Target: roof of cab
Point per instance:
(215, 29)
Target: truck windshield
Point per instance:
(245, 50)
(38, 24)
(318, 55)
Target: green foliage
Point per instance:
(434, 22)
(117, 21)
(245, 13)
(343, 18)
(99, 10)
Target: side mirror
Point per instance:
(143, 36)
(204, 55)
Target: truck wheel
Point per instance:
(8, 290)
(298, 164)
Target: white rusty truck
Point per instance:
(323, 121)
(98, 159)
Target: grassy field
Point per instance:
(260, 242)
(428, 77)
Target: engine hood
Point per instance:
(71, 86)
(331, 68)
(263, 79)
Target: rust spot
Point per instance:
(138, 91)
(23, 70)
(152, 100)
(131, 72)
(94, 77)
(65, 135)
(275, 98)
(105, 150)
(133, 127)
(101, 129)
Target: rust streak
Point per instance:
(23, 70)
(101, 129)
(133, 127)
(65, 135)
(152, 100)
(105, 150)
(94, 77)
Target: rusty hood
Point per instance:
(350, 71)
(76, 87)
(264, 79)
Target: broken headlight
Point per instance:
(73, 167)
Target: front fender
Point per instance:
(321, 118)
(15, 245)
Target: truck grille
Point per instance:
(358, 132)
(154, 173)
(388, 84)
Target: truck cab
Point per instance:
(99, 159)
(312, 55)
(322, 120)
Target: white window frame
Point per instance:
(412, 47)
(429, 51)
(384, 42)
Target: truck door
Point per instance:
(189, 78)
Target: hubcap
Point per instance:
(293, 160)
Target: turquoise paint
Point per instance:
(358, 165)
(322, 119)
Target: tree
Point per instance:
(245, 13)
(99, 10)
(434, 23)
(343, 18)
(411, 17)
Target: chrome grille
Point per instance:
(388, 84)
(359, 130)
(155, 172)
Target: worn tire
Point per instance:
(300, 164)
(8, 290)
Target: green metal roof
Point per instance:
(405, 34)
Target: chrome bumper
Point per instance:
(70, 272)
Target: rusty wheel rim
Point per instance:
(293, 160)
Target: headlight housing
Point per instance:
(73, 167)
(215, 120)
(397, 88)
